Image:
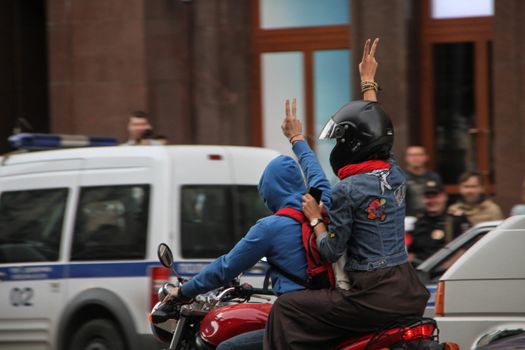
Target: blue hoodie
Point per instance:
(277, 238)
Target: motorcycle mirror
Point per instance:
(165, 255)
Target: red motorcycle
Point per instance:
(229, 311)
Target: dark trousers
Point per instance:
(320, 319)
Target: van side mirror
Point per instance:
(165, 255)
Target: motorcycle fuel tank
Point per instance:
(228, 321)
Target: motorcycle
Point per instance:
(219, 315)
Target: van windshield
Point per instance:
(31, 224)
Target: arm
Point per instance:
(246, 253)
(315, 176)
(368, 68)
(313, 171)
(332, 244)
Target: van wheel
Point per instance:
(97, 334)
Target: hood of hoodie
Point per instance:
(282, 184)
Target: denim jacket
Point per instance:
(367, 220)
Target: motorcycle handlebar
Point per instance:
(247, 290)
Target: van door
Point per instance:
(35, 215)
(116, 210)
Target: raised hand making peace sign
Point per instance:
(368, 68)
(368, 65)
(291, 126)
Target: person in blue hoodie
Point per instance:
(278, 238)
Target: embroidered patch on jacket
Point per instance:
(331, 235)
(400, 194)
(376, 209)
(382, 175)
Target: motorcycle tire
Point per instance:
(98, 334)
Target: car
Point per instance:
(430, 270)
(506, 338)
(79, 230)
(485, 288)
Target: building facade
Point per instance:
(218, 71)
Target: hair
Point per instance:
(468, 174)
(416, 145)
(139, 114)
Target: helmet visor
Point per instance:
(328, 130)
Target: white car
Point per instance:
(484, 290)
(79, 231)
(437, 264)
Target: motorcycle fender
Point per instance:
(228, 321)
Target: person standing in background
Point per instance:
(474, 203)
(435, 227)
(417, 175)
(140, 130)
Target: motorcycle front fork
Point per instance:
(177, 334)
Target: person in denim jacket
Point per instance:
(366, 225)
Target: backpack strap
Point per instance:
(288, 275)
(292, 213)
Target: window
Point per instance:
(111, 223)
(215, 217)
(461, 9)
(332, 89)
(301, 49)
(456, 92)
(31, 224)
(303, 13)
(454, 115)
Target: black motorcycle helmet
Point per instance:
(362, 130)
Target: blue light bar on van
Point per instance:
(49, 141)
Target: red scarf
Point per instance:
(369, 165)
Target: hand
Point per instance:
(291, 126)
(311, 209)
(368, 65)
(175, 295)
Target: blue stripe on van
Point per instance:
(101, 270)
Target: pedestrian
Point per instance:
(140, 131)
(366, 224)
(417, 174)
(435, 227)
(474, 203)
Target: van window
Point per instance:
(214, 217)
(111, 223)
(31, 224)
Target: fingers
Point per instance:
(374, 47)
(287, 108)
(294, 107)
(366, 48)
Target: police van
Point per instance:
(79, 229)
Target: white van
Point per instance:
(484, 290)
(79, 230)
